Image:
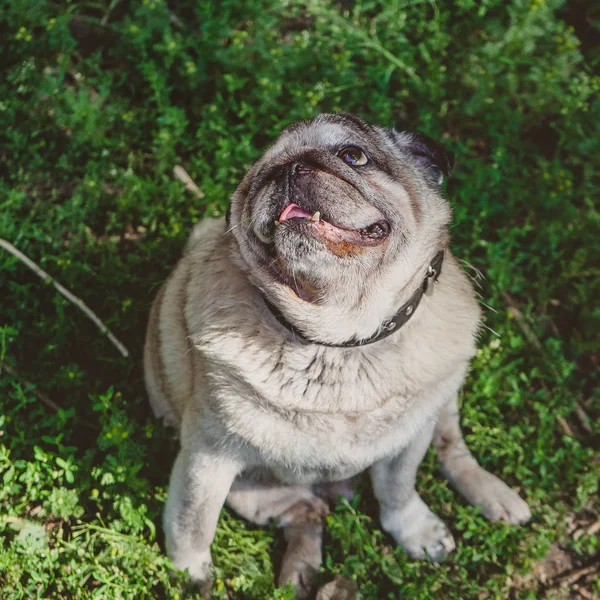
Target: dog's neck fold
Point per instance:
(386, 327)
(349, 313)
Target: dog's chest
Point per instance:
(317, 413)
(331, 380)
(319, 381)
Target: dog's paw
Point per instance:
(498, 502)
(420, 533)
(341, 588)
(430, 539)
(301, 574)
(199, 567)
(302, 559)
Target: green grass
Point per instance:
(100, 100)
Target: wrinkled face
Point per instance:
(335, 198)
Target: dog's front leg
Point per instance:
(199, 484)
(403, 513)
(497, 501)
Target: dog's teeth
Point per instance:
(316, 217)
(277, 222)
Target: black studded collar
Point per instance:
(388, 327)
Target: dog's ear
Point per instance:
(431, 154)
(438, 161)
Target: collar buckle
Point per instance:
(433, 272)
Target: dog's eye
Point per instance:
(353, 156)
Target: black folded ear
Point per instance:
(438, 161)
(429, 153)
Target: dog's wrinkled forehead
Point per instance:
(324, 131)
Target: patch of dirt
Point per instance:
(561, 575)
(341, 588)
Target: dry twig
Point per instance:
(175, 20)
(180, 173)
(522, 323)
(587, 530)
(570, 578)
(67, 294)
(583, 417)
(39, 395)
(565, 426)
(593, 528)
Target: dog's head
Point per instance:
(338, 218)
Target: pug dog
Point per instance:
(322, 329)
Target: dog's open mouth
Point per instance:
(313, 224)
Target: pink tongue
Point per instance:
(291, 211)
